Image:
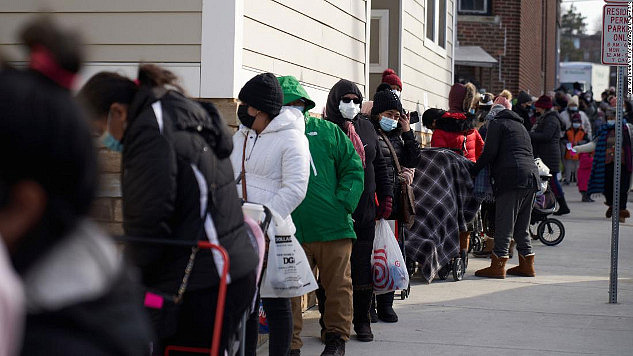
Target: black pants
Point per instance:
(197, 314)
(625, 183)
(279, 316)
(361, 255)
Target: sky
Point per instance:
(591, 9)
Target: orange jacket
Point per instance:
(575, 137)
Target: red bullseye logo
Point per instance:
(380, 270)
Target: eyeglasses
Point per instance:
(347, 100)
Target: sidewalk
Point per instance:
(562, 311)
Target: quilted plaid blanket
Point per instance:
(445, 204)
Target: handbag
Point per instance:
(406, 198)
(164, 308)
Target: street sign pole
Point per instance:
(615, 217)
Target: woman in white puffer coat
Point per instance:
(271, 158)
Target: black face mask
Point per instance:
(537, 114)
(246, 119)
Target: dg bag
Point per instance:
(387, 264)
(288, 273)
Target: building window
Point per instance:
(436, 24)
(479, 7)
(379, 41)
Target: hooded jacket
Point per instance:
(508, 152)
(276, 163)
(546, 138)
(456, 131)
(336, 176)
(376, 176)
(178, 184)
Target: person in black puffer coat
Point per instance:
(177, 184)
(508, 153)
(343, 108)
(545, 137)
(391, 123)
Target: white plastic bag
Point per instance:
(387, 265)
(288, 273)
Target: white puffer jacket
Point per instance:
(277, 163)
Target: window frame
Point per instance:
(382, 15)
(433, 44)
(484, 12)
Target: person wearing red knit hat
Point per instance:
(390, 77)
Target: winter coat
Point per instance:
(575, 137)
(175, 174)
(336, 184)
(525, 115)
(407, 150)
(508, 152)
(81, 300)
(565, 117)
(546, 138)
(456, 131)
(376, 177)
(276, 163)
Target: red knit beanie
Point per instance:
(544, 102)
(390, 77)
(503, 101)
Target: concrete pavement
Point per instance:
(562, 311)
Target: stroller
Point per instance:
(549, 231)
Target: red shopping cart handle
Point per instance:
(219, 314)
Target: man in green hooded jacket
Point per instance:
(324, 220)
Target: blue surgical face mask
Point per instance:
(576, 125)
(611, 122)
(572, 108)
(388, 124)
(109, 141)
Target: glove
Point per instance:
(385, 207)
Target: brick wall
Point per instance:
(526, 64)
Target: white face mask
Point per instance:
(349, 110)
(611, 122)
(397, 92)
(576, 125)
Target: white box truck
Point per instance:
(591, 76)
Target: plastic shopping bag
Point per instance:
(288, 273)
(387, 265)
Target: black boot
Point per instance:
(586, 198)
(384, 305)
(334, 345)
(362, 324)
(562, 207)
(373, 317)
(320, 296)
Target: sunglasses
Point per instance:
(347, 100)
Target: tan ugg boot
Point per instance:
(623, 215)
(489, 244)
(525, 267)
(464, 240)
(497, 268)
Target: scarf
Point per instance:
(356, 141)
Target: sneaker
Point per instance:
(334, 345)
(295, 352)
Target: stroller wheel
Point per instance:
(458, 269)
(476, 243)
(551, 232)
(443, 272)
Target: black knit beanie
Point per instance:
(264, 93)
(385, 100)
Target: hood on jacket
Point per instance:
(288, 119)
(508, 114)
(293, 90)
(461, 98)
(187, 115)
(341, 88)
(456, 122)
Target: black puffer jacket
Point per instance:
(175, 168)
(376, 173)
(408, 151)
(546, 140)
(508, 152)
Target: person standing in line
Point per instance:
(343, 108)
(573, 108)
(545, 136)
(508, 152)
(575, 136)
(523, 109)
(603, 169)
(271, 161)
(324, 220)
(393, 129)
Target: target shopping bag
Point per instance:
(387, 265)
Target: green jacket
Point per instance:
(336, 177)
